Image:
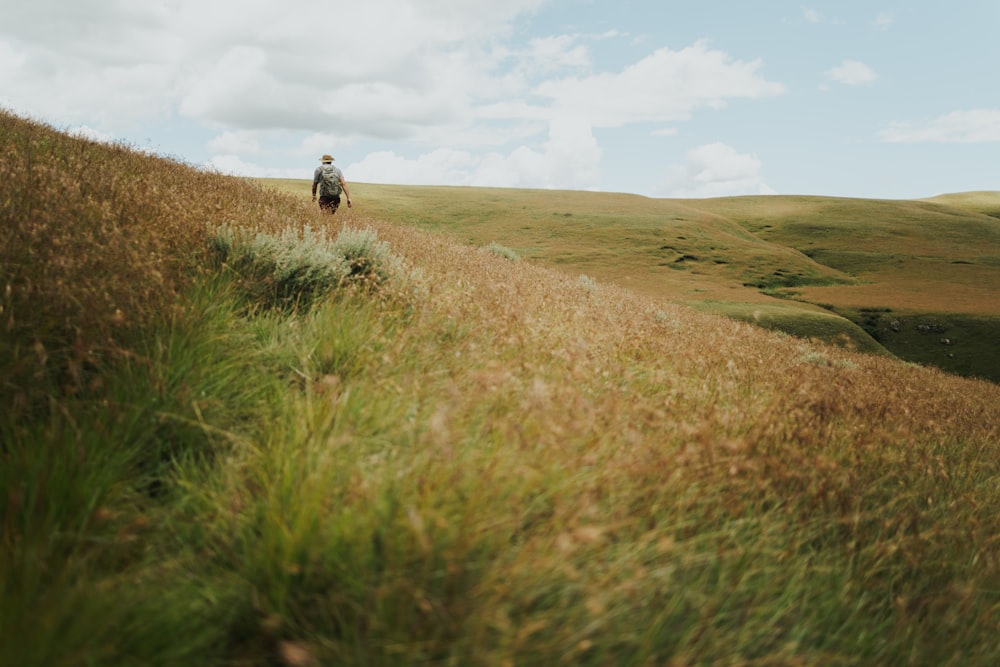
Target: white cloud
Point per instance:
(453, 81)
(569, 159)
(321, 143)
(962, 127)
(387, 109)
(239, 142)
(444, 166)
(78, 62)
(557, 51)
(227, 85)
(435, 64)
(240, 64)
(715, 170)
(812, 16)
(883, 21)
(572, 155)
(817, 17)
(664, 86)
(852, 73)
(233, 165)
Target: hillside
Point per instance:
(236, 432)
(980, 202)
(875, 275)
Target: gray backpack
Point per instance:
(329, 182)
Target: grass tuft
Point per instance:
(293, 269)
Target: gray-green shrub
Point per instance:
(293, 268)
(503, 251)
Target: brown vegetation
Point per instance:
(96, 239)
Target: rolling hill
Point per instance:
(917, 279)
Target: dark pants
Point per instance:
(329, 203)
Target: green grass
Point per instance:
(961, 344)
(804, 324)
(91, 570)
(979, 202)
(466, 461)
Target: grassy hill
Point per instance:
(236, 432)
(980, 202)
(874, 275)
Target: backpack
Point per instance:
(329, 182)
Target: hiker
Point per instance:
(331, 182)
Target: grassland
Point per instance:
(809, 266)
(236, 432)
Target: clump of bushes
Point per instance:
(292, 268)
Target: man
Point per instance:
(331, 183)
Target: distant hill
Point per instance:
(918, 279)
(986, 202)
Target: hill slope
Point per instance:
(871, 274)
(985, 202)
(457, 458)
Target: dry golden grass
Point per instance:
(585, 356)
(97, 239)
(624, 461)
(499, 463)
(943, 288)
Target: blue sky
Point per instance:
(666, 99)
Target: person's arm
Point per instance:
(315, 183)
(347, 192)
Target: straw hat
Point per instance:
(326, 158)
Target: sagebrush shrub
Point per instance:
(368, 259)
(292, 268)
(503, 251)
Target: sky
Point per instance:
(876, 98)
